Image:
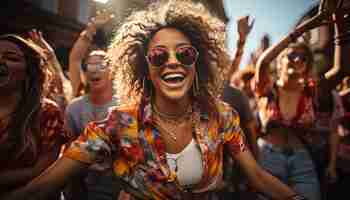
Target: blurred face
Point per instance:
(171, 64)
(246, 87)
(97, 73)
(293, 68)
(12, 66)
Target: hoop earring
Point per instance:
(144, 87)
(195, 86)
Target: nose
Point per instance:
(172, 60)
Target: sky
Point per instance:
(275, 17)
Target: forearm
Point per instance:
(16, 177)
(56, 66)
(252, 138)
(237, 58)
(333, 148)
(262, 180)
(13, 177)
(271, 186)
(77, 54)
(82, 45)
(49, 181)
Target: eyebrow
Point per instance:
(9, 52)
(177, 45)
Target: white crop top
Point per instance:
(187, 164)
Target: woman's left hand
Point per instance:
(37, 37)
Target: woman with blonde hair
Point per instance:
(167, 140)
(299, 111)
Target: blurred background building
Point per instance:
(61, 21)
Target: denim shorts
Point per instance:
(293, 167)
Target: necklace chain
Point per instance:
(170, 123)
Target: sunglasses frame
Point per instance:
(291, 56)
(98, 67)
(176, 55)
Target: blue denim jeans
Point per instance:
(294, 168)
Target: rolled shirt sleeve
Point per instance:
(232, 133)
(93, 146)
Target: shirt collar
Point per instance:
(146, 109)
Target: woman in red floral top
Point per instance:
(31, 127)
(167, 139)
(296, 109)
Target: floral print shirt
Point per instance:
(52, 132)
(129, 136)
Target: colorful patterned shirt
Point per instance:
(129, 136)
(308, 119)
(52, 133)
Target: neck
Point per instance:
(8, 103)
(174, 108)
(291, 91)
(100, 97)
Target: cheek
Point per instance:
(17, 71)
(154, 76)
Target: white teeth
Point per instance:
(171, 76)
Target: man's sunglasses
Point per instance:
(101, 67)
(186, 55)
(294, 55)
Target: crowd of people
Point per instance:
(163, 112)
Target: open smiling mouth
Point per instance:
(173, 78)
(95, 79)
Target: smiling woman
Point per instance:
(167, 137)
(31, 126)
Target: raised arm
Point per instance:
(244, 28)
(51, 60)
(77, 54)
(82, 45)
(50, 56)
(339, 10)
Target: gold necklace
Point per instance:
(170, 123)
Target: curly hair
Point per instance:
(205, 31)
(24, 130)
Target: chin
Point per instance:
(175, 95)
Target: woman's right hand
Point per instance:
(244, 27)
(101, 18)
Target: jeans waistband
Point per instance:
(262, 143)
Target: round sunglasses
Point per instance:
(294, 55)
(186, 55)
(100, 67)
